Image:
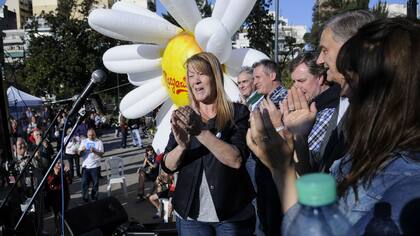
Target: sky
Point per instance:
(298, 12)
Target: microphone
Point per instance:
(97, 77)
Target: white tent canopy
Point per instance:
(19, 98)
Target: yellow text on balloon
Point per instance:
(177, 51)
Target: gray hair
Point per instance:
(247, 70)
(269, 67)
(346, 24)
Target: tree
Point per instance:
(323, 11)
(380, 10)
(62, 62)
(259, 28)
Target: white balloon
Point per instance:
(143, 99)
(132, 27)
(163, 130)
(185, 12)
(236, 13)
(212, 36)
(132, 58)
(219, 8)
(231, 88)
(242, 57)
(166, 106)
(139, 79)
(136, 9)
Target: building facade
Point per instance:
(23, 10)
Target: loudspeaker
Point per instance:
(105, 214)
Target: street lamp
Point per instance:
(276, 31)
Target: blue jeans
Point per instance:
(135, 134)
(89, 175)
(198, 228)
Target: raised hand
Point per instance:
(275, 114)
(298, 116)
(266, 143)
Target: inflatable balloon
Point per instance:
(156, 61)
(177, 51)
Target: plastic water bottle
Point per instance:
(381, 224)
(317, 212)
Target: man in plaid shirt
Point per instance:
(310, 78)
(267, 81)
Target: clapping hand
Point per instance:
(298, 116)
(273, 150)
(179, 129)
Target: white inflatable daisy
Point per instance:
(155, 62)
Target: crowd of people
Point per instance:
(29, 137)
(352, 112)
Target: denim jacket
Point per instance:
(397, 183)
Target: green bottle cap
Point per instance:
(316, 189)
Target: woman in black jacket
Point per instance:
(207, 147)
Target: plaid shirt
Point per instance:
(276, 96)
(319, 129)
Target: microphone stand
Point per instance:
(21, 174)
(42, 183)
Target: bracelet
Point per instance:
(280, 128)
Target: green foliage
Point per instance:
(380, 10)
(286, 79)
(322, 12)
(290, 48)
(259, 28)
(61, 62)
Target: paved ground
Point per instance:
(142, 212)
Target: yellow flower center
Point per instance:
(178, 50)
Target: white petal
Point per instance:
(163, 130)
(132, 58)
(236, 13)
(131, 27)
(135, 51)
(185, 12)
(242, 57)
(219, 8)
(231, 88)
(163, 110)
(212, 36)
(139, 79)
(143, 100)
(136, 9)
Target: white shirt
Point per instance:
(90, 159)
(344, 104)
(72, 146)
